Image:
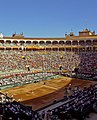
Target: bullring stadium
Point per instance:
(48, 78)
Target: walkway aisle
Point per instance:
(54, 105)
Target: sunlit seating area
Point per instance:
(22, 79)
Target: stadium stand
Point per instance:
(30, 60)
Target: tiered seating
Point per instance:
(17, 80)
(78, 106)
(14, 110)
(88, 62)
(12, 60)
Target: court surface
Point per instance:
(43, 93)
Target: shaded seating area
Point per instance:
(77, 106)
(80, 106)
(10, 109)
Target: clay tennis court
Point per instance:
(41, 94)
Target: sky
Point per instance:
(47, 18)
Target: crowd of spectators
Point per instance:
(21, 79)
(78, 106)
(88, 62)
(12, 110)
(80, 102)
(59, 61)
(12, 60)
